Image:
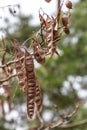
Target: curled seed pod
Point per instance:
(66, 30)
(31, 83)
(39, 53)
(49, 31)
(65, 20)
(68, 4)
(51, 35)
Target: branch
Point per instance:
(74, 125)
(11, 62)
(60, 123)
(9, 77)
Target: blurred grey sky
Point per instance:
(30, 7)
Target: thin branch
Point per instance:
(11, 62)
(59, 126)
(9, 77)
(59, 123)
(74, 125)
(58, 11)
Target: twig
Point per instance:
(60, 123)
(69, 116)
(10, 62)
(74, 125)
(58, 12)
(6, 79)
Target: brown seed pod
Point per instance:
(19, 65)
(31, 83)
(39, 53)
(66, 30)
(65, 20)
(51, 35)
(68, 4)
(38, 97)
(48, 1)
(21, 75)
(49, 31)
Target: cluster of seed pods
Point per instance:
(24, 60)
(54, 27)
(27, 79)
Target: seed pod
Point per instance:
(38, 97)
(48, 1)
(19, 65)
(66, 30)
(49, 32)
(65, 20)
(21, 76)
(51, 35)
(39, 53)
(29, 66)
(68, 4)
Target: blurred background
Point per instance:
(63, 79)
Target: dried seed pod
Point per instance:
(29, 62)
(49, 31)
(65, 20)
(21, 76)
(19, 66)
(66, 30)
(39, 53)
(68, 4)
(38, 97)
(48, 1)
(51, 35)
(31, 83)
